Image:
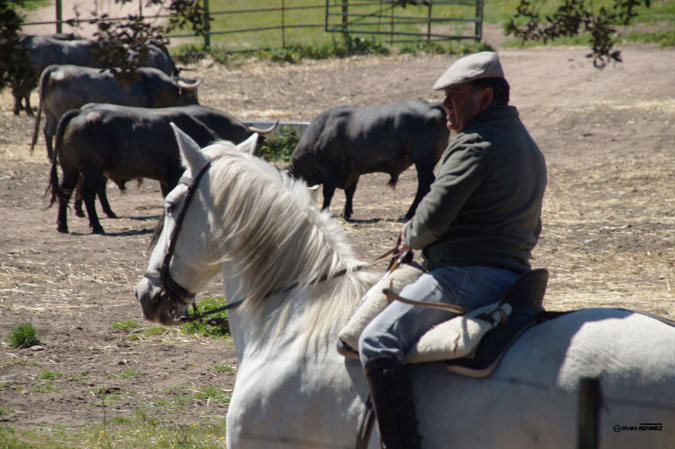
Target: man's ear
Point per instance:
(486, 97)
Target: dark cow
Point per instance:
(223, 125)
(66, 87)
(345, 142)
(101, 143)
(43, 51)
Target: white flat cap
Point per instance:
(479, 65)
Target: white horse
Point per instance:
(300, 281)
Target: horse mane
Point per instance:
(280, 244)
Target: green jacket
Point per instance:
(484, 208)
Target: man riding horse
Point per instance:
(476, 228)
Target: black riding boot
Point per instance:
(392, 394)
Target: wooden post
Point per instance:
(590, 399)
(59, 17)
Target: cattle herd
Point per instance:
(97, 129)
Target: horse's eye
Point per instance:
(170, 207)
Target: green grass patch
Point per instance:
(45, 388)
(201, 327)
(663, 39)
(154, 330)
(50, 375)
(23, 336)
(29, 5)
(119, 433)
(125, 325)
(302, 42)
(126, 374)
(224, 368)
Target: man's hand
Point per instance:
(402, 247)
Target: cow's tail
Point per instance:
(54, 187)
(43, 88)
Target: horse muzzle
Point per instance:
(157, 306)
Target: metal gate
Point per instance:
(407, 20)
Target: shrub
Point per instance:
(281, 147)
(23, 336)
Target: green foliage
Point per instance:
(202, 327)
(14, 67)
(573, 17)
(279, 148)
(23, 336)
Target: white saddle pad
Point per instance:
(455, 338)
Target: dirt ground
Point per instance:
(608, 239)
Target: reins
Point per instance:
(196, 315)
(177, 293)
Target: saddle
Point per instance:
(485, 333)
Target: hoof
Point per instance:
(79, 213)
(97, 230)
(62, 229)
(111, 214)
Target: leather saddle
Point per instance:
(525, 295)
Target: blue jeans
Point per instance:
(398, 327)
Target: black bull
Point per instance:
(345, 142)
(66, 87)
(43, 51)
(124, 143)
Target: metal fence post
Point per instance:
(478, 31)
(283, 24)
(429, 22)
(59, 17)
(207, 26)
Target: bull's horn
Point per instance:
(185, 85)
(253, 129)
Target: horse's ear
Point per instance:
(248, 145)
(189, 149)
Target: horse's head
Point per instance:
(182, 259)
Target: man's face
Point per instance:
(463, 103)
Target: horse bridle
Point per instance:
(176, 293)
(170, 289)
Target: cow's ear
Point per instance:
(248, 145)
(190, 152)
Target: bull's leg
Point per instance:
(89, 188)
(425, 177)
(328, 191)
(29, 109)
(67, 185)
(78, 199)
(103, 199)
(349, 196)
(17, 104)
